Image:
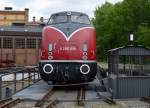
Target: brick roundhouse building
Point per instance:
(19, 45)
(9, 16)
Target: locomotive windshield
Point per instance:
(69, 17)
(80, 19)
(58, 19)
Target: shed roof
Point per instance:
(130, 50)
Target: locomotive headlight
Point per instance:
(50, 47)
(84, 69)
(84, 48)
(48, 68)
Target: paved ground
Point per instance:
(67, 97)
(34, 92)
(133, 103)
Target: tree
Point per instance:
(114, 23)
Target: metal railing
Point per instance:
(17, 80)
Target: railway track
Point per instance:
(48, 102)
(4, 101)
(110, 101)
(81, 96)
(9, 103)
(52, 104)
(54, 97)
(45, 97)
(146, 99)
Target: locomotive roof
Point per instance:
(69, 12)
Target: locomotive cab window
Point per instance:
(69, 17)
(58, 18)
(80, 19)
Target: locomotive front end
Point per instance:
(68, 50)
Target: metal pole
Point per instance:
(0, 87)
(37, 51)
(13, 50)
(22, 79)
(29, 75)
(1, 48)
(34, 74)
(14, 82)
(38, 74)
(25, 56)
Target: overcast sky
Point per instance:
(44, 8)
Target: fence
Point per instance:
(12, 82)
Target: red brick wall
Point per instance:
(23, 57)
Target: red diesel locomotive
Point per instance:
(68, 49)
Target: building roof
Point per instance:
(9, 10)
(20, 30)
(130, 50)
(12, 12)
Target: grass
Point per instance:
(104, 65)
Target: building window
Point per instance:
(39, 43)
(7, 43)
(20, 43)
(31, 43)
